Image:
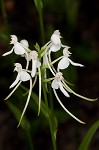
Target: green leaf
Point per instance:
(53, 122)
(17, 113)
(87, 139)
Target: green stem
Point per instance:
(41, 27)
(45, 96)
(51, 98)
(51, 95)
(49, 118)
(39, 7)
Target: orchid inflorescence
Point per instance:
(41, 61)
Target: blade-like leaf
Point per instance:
(87, 139)
(53, 123)
(17, 113)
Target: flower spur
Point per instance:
(59, 83)
(22, 76)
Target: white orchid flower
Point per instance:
(21, 77)
(59, 83)
(33, 55)
(65, 61)
(18, 48)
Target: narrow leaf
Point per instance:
(87, 139)
(17, 113)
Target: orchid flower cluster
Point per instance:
(41, 61)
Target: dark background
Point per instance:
(78, 22)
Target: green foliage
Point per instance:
(17, 113)
(25, 124)
(89, 135)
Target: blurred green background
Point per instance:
(78, 22)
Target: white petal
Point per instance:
(13, 90)
(24, 43)
(38, 64)
(63, 63)
(34, 63)
(63, 90)
(83, 97)
(55, 48)
(14, 39)
(18, 49)
(16, 81)
(49, 64)
(75, 64)
(66, 108)
(7, 53)
(24, 76)
(27, 59)
(55, 38)
(55, 84)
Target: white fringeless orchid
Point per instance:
(39, 68)
(65, 61)
(18, 48)
(59, 83)
(22, 76)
